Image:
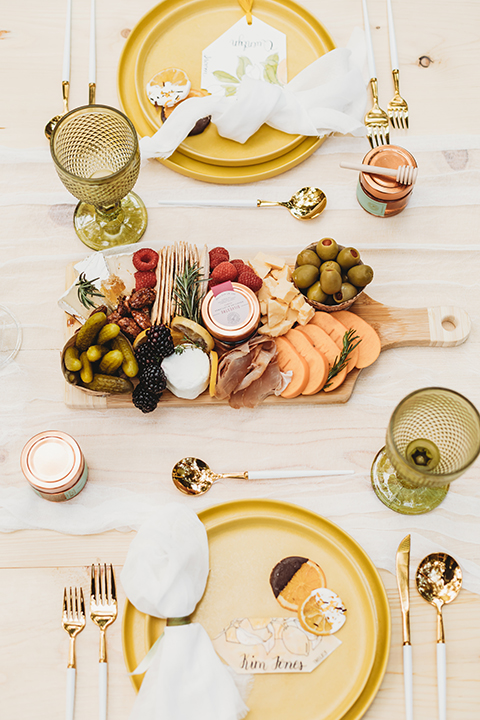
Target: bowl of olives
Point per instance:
(330, 276)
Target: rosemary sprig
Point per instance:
(186, 292)
(342, 359)
(86, 290)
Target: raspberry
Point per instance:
(145, 259)
(223, 272)
(212, 283)
(239, 264)
(144, 279)
(218, 255)
(250, 279)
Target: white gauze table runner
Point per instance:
(426, 256)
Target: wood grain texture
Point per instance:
(60, 561)
(425, 257)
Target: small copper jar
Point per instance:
(380, 195)
(54, 465)
(231, 313)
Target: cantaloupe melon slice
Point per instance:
(336, 330)
(369, 348)
(317, 362)
(289, 359)
(325, 344)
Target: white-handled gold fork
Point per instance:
(73, 622)
(397, 108)
(376, 120)
(103, 612)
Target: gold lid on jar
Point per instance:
(52, 462)
(379, 186)
(231, 312)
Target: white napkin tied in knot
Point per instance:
(164, 575)
(327, 96)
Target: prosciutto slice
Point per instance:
(248, 374)
(270, 382)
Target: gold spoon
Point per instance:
(439, 579)
(50, 126)
(305, 204)
(193, 476)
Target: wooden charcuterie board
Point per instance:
(444, 326)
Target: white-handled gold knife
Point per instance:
(402, 566)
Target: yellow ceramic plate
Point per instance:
(174, 34)
(246, 539)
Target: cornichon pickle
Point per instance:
(88, 332)
(86, 373)
(107, 333)
(111, 362)
(130, 365)
(110, 384)
(95, 352)
(71, 359)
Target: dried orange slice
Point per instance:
(167, 111)
(168, 87)
(322, 612)
(193, 332)
(293, 578)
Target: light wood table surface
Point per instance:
(439, 47)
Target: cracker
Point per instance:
(155, 306)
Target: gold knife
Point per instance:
(402, 565)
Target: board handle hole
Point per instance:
(449, 323)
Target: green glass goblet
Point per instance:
(97, 158)
(432, 438)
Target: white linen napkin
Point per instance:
(164, 575)
(327, 96)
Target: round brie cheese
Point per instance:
(187, 371)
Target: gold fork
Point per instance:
(397, 109)
(73, 622)
(376, 120)
(103, 612)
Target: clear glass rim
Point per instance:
(4, 362)
(107, 178)
(444, 476)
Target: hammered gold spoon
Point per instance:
(439, 579)
(192, 476)
(305, 204)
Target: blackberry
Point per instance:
(153, 379)
(144, 400)
(147, 356)
(160, 339)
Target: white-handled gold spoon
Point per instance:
(305, 204)
(193, 476)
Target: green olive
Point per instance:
(331, 281)
(360, 275)
(346, 292)
(316, 293)
(305, 275)
(308, 257)
(327, 249)
(331, 265)
(348, 257)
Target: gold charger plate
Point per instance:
(175, 34)
(246, 539)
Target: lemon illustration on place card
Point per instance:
(257, 51)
